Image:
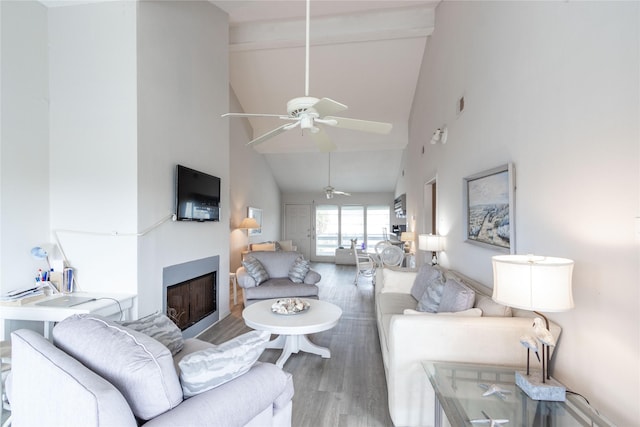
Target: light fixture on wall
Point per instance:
(433, 243)
(248, 224)
(440, 135)
(535, 283)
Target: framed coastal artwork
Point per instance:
(256, 214)
(489, 208)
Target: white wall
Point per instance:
(24, 142)
(552, 87)
(134, 88)
(252, 184)
(182, 91)
(93, 133)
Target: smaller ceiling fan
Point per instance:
(329, 191)
(312, 114)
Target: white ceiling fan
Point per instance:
(307, 112)
(329, 191)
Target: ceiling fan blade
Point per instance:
(323, 141)
(327, 106)
(253, 115)
(341, 193)
(361, 125)
(270, 134)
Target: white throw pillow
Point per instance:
(209, 368)
(397, 281)
(286, 245)
(472, 312)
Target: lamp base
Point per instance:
(533, 386)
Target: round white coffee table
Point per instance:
(293, 328)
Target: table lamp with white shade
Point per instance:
(248, 224)
(433, 243)
(535, 283)
(407, 237)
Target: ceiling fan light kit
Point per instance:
(307, 112)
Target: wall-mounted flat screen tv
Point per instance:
(197, 195)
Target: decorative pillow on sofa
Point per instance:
(209, 368)
(255, 269)
(299, 270)
(425, 275)
(431, 298)
(286, 245)
(159, 327)
(456, 297)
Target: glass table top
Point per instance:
(461, 388)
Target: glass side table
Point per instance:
(459, 389)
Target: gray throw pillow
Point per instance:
(430, 300)
(159, 327)
(209, 368)
(456, 297)
(299, 270)
(425, 275)
(255, 269)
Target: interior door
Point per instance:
(297, 227)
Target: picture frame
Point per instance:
(489, 209)
(256, 214)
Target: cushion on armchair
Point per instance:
(160, 327)
(209, 368)
(140, 367)
(299, 270)
(255, 269)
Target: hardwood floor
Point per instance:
(347, 390)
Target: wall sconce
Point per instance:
(433, 243)
(440, 135)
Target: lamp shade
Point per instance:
(431, 242)
(248, 223)
(533, 282)
(408, 236)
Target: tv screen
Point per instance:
(197, 195)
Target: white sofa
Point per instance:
(408, 339)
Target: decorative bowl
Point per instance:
(289, 306)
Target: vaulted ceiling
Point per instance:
(365, 54)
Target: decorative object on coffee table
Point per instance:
(535, 283)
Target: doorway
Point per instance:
(297, 227)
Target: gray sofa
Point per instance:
(277, 265)
(138, 384)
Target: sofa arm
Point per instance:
(244, 279)
(234, 403)
(414, 339)
(312, 277)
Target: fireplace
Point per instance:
(190, 294)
